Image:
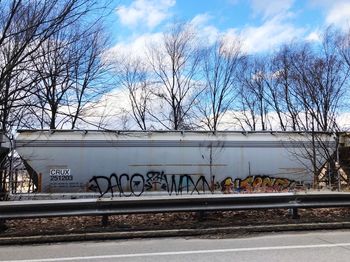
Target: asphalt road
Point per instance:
(296, 247)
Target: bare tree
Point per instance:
(53, 65)
(175, 64)
(70, 71)
(134, 76)
(26, 25)
(283, 98)
(252, 94)
(91, 74)
(220, 64)
(321, 81)
(320, 78)
(343, 45)
(246, 110)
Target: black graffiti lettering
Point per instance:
(155, 179)
(149, 179)
(95, 183)
(173, 187)
(114, 177)
(137, 184)
(137, 181)
(127, 182)
(177, 184)
(164, 182)
(186, 182)
(204, 184)
(113, 183)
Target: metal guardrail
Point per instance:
(135, 205)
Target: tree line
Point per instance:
(51, 63)
(297, 87)
(54, 69)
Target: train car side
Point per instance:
(138, 163)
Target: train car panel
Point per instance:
(136, 163)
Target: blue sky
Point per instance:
(261, 24)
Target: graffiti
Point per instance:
(137, 184)
(227, 186)
(153, 181)
(177, 183)
(113, 184)
(256, 184)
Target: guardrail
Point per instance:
(202, 203)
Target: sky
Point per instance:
(261, 24)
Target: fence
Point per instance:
(15, 182)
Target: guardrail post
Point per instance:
(295, 214)
(3, 226)
(202, 215)
(105, 221)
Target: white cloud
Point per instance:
(231, 41)
(269, 35)
(112, 111)
(344, 121)
(134, 47)
(207, 33)
(339, 15)
(270, 8)
(337, 12)
(277, 26)
(313, 37)
(274, 31)
(326, 3)
(265, 37)
(201, 20)
(145, 12)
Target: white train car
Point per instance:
(136, 163)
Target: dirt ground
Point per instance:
(65, 225)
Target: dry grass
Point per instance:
(64, 225)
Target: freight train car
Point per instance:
(131, 163)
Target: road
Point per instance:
(314, 246)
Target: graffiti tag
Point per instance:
(137, 184)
